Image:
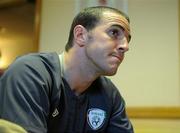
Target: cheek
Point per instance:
(101, 45)
(94, 51)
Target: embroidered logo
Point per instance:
(55, 113)
(96, 118)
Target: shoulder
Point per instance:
(34, 69)
(36, 59)
(34, 62)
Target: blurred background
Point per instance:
(149, 77)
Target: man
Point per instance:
(68, 93)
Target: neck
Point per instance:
(77, 74)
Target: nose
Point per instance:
(123, 46)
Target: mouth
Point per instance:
(118, 56)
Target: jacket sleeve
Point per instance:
(24, 94)
(119, 122)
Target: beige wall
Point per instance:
(56, 19)
(149, 76)
(151, 69)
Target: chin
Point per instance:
(110, 73)
(110, 70)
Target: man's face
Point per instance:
(107, 44)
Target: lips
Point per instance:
(119, 57)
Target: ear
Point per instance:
(80, 35)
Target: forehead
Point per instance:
(111, 18)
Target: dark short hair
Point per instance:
(89, 18)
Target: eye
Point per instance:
(114, 33)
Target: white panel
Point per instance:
(119, 4)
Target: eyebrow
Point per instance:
(118, 26)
